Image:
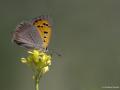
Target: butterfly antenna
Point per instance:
(55, 52)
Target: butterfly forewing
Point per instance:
(43, 25)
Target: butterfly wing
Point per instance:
(44, 27)
(26, 35)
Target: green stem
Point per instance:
(37, 80)
(36, 84)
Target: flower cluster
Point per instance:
(39, 61)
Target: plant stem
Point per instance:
(37, 80)
(36, 84)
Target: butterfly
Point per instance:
(34, 34)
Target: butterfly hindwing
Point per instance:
(26, 35)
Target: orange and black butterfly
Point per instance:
(34, 34)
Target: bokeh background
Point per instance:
(86, 32)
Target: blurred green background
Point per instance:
(86, 32)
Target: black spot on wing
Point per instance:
(45, 37)
(44, 41)
(38, 26)
(41, 26)
(45, 24)
(45, 32)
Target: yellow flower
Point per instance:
(45, 69)
(39, 61)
